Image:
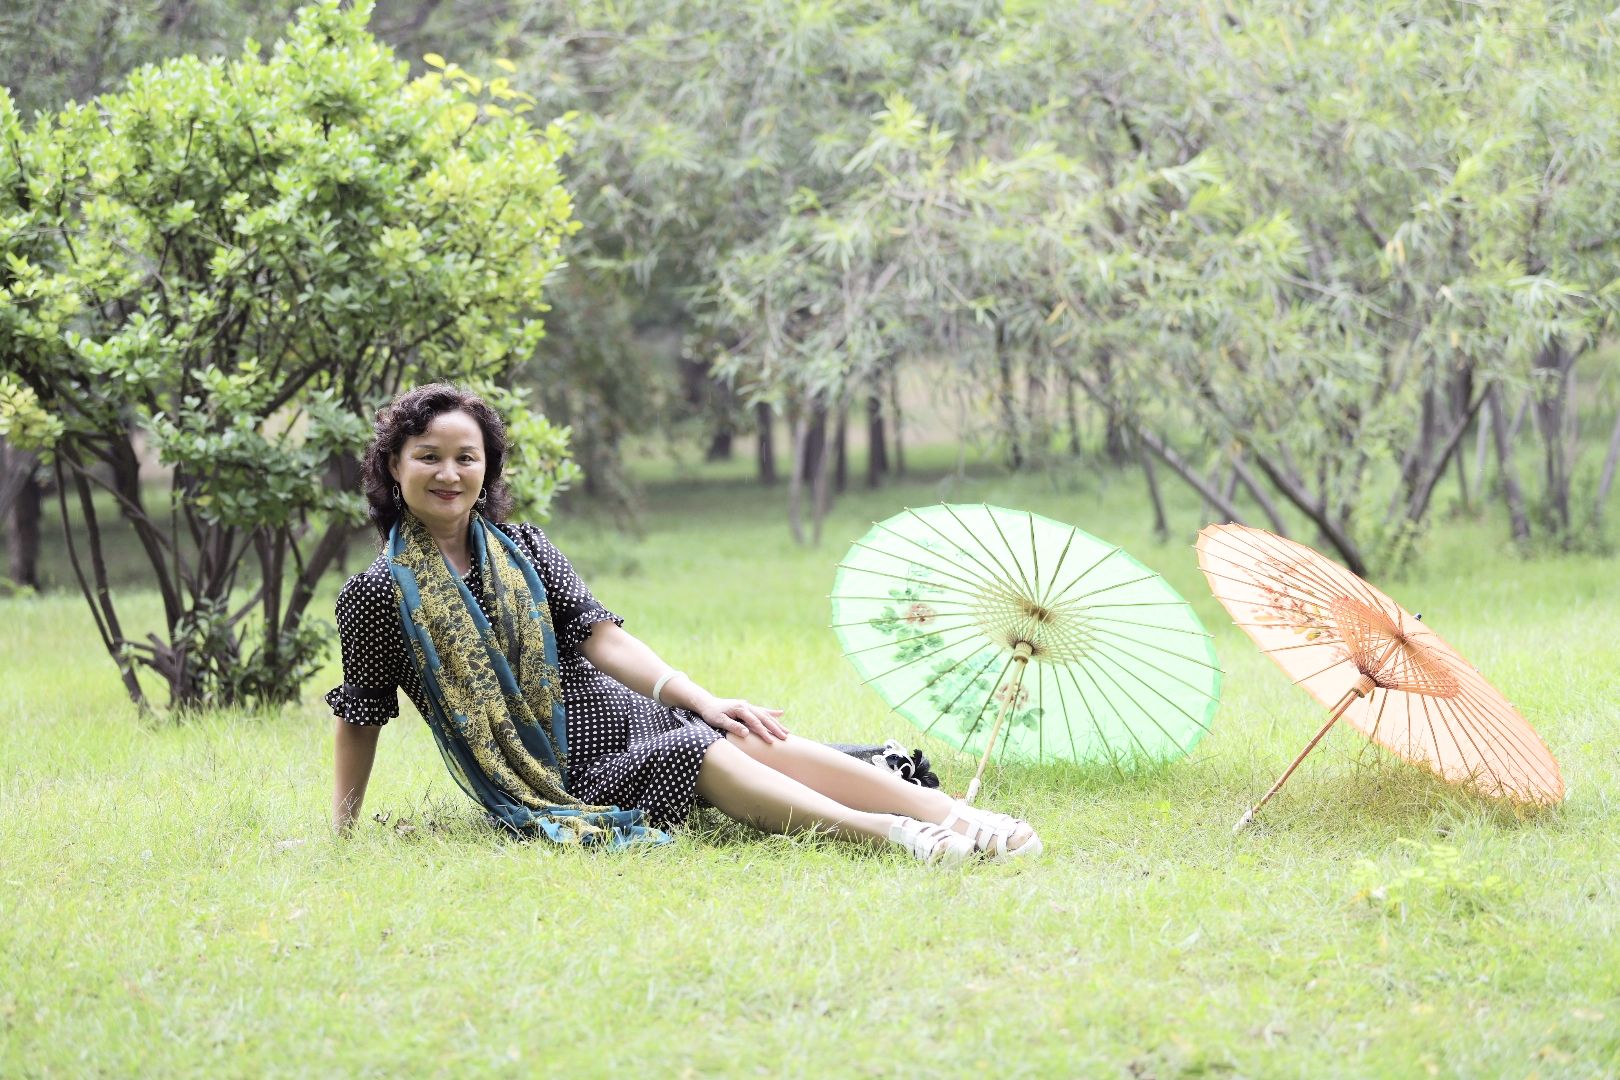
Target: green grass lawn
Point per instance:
(171, 902)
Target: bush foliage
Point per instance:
(234, 261)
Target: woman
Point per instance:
(488, 631)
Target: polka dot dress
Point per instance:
(623, 749)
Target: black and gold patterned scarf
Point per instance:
(494, 690)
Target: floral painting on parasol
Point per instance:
(1004, 632)
(1376, 665)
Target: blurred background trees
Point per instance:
(1339, 252)
(1342, 268)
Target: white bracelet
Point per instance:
(658, 687)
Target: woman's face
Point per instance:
(441, 471)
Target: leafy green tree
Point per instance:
(1301, 255)
(701, 127)
(238, 259)
(1448, 174)
(51, 53)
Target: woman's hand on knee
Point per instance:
(734, 716)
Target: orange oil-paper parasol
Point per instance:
(1376, 665)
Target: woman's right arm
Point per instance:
(354, 748)
(373, 654)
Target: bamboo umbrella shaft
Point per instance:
(1361, 688)
(1021, 653)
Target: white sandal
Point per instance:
(992, 833)
(930, 843)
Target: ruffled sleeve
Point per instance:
(573, 609)
(373, 651)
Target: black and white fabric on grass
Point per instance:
(909, 765)
(624, 749)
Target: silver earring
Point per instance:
(399, 501)
(483, 497)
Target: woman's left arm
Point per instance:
(614, 650)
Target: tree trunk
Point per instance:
(1114, 440)
(1464, 402)
(1207, 510)
(897, 418)
(1164, 453)
(718, 402)
(723, 408)
(1008, 402)
(819, 500)
(812, 451)
(270, 544)
(815, 442)
(1072, 414)
(1168, 455)
(126, 468)
(330, 550)
(1429, 478)
(765, 444)
(1416, 459)
(1037, 432)
(20, 506)
(99, 594)
(1332, 530)
(22, 534)
(1518, 417)
(796, 470)
(120, 456)
(1463, 492)
(877, 450)
(1161, 524)
(1554, 420)
(1428, 422)
(1257, 491)
(719, 448)
(841, 450)
(1504, 467)
(12, 476)
(1350, 500)
(1610, 460)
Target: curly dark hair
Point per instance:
(410, 414)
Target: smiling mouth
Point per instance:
(446, 495)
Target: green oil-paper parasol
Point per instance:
(977, 620)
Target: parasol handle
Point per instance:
(1361, 688)
(1021, 653)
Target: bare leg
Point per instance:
(850, 782)
(747, 790)
(840, 777)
